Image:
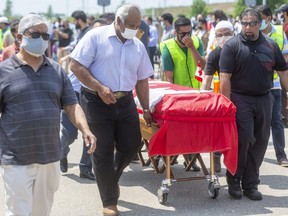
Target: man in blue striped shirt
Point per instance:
(33, 89)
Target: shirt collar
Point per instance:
(243, 39)
(18, 63)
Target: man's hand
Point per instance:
(107, 95)
(148, 118)
(90, 141)
(187, 40)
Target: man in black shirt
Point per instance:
(223, 32)
(247, 63)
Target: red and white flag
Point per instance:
(199, 73)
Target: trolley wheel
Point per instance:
(162, 197)
(213, 192)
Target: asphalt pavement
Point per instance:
(139, 185)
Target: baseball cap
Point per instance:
(4, 20)
(282, 8)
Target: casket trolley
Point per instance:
(189, 122)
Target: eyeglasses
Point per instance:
(36, 35)
(184, 33)
(251, 24)
(220, 35)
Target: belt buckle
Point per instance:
(119, 94)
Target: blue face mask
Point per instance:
(35, 47)
(263, 25)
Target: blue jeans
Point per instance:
(68, 134)
(278, 135)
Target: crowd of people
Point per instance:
(60, 77)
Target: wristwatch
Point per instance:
(146, 111)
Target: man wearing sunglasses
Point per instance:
(180, 57)
(247, 64)
(33, 90)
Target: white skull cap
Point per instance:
(31, 20)
(224, 24)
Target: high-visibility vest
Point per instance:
(278, 37)
(1, 40)
(184, 65)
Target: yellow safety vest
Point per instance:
(184, 65)
(1, 40)
(278, 37)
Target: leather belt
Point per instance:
(117, 94)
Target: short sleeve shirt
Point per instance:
(115, 64)
(251, 64)
(30, 105)
(212, 64)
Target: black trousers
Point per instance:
(253, 119)
(117, 129)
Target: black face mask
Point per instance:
(214, 24)
(77, 26)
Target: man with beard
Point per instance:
(247, 63)
(223, 32)
(180, 57)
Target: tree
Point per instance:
(273, 4)
(8, 9)
(198, 7)
(49, 12)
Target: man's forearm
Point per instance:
(84, 75)
(77, 117)
(142, 90)
(225, 84)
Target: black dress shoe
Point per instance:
(253, 194)
(88, 175)
(64, 165)
(234, 188)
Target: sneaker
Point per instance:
(283, 162)
(234, 188)
(253, 194)
(64, 165)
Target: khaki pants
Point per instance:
(29, 190)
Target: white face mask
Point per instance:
(222, 40)
(129, 33)
(35, 47)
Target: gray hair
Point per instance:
(125, 9)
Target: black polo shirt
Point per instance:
(251, 64)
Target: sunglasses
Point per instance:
(36, 35)
(185, 33)
(251, 24)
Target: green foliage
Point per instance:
(198, 7)
(8, 9)
(273, 4)
(49, 12)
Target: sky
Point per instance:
(23, 7)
